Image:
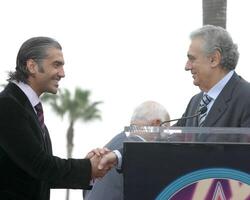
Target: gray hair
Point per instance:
(217, 38)
(34, 48)
(148, 111)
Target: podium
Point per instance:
(187, 164)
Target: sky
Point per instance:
(124, 52)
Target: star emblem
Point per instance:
(219, 193)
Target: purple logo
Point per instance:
(209, 184)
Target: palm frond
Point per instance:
(78, 106)
(91, 112)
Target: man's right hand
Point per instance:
(102, 162)
(108, 161)
(96, 172)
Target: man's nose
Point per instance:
(188, 65)
(61, 73)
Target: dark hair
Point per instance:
(34, 48)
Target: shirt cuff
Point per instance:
(119, 159)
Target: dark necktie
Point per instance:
(47, 144)
(39, 110)
(204, 102)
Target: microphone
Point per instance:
(200, 112)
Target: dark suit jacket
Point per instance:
(110, 187)
(230, 109)
(27, 167)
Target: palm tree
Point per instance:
(78, 107)
(215, 12)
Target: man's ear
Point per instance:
(31, 66)
(215, 59)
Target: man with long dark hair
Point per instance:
(28, 169)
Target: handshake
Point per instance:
(102, 160)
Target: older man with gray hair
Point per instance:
(110, 187)
(212, 57)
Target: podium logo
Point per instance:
(209, 184)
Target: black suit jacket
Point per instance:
(27, 167)
(230, 109)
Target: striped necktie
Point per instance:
(204, 102)
(39, 110)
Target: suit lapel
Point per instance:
(221, 103)
(43, 133)
(196, 109)
(21, 99)
(193, 108)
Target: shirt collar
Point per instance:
(29, 92)
(218, 87)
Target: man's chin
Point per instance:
(195, 83)
(53, 91)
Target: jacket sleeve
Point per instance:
(19, 141)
